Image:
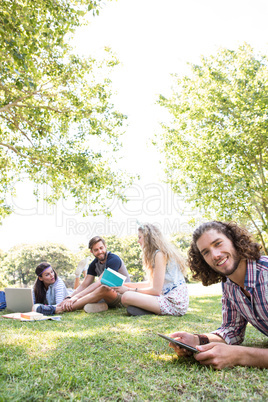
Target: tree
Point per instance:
(132, 256)
(182, 241)
(216, 145)
(57, 123)
(20, 262)
(3, 281)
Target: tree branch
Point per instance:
(13, 149)
(259, 233)
(13, 121)
(15, 103)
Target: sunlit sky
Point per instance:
(152, 39)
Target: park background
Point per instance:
(110, 356)
(152, 39)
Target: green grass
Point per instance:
(112, 357)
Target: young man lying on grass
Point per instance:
(225, 252)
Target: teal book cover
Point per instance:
(112, 278)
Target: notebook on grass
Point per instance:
(19, 300)
(31, 316)
(112, 278)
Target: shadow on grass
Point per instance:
(111, 356)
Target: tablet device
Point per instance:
(180, 344)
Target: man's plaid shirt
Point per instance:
(238, 309)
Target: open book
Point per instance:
(31, 316)
(112, 278)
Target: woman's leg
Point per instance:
(141, 300)
(175, 302)
(44, 309)
(77, 280)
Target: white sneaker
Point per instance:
(95, 307)
(82, 266)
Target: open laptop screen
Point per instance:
(19, 300)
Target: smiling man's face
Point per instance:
(218, 252)
(99, 250)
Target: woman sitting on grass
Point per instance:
(49, 290)
(165, 291)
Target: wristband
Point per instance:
(203, 339)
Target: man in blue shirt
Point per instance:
(225, 252)
(92, 295)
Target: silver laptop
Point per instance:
(19, 300)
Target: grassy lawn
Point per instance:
(112, 357)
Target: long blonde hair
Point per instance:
(154, 240)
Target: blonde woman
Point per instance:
(165, 292)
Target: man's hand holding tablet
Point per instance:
(180, 346)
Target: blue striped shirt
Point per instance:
(238, 309)
(56, 293)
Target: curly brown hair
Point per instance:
(242, 242)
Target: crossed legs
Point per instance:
(109, 295)
(141, 300)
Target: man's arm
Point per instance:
(233, 326)
(219, 355)
(86, 287)
(91, 286)
(88, 280)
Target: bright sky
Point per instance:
(152, 39)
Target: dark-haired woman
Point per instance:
(49, 290)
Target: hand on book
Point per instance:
(121, 289)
